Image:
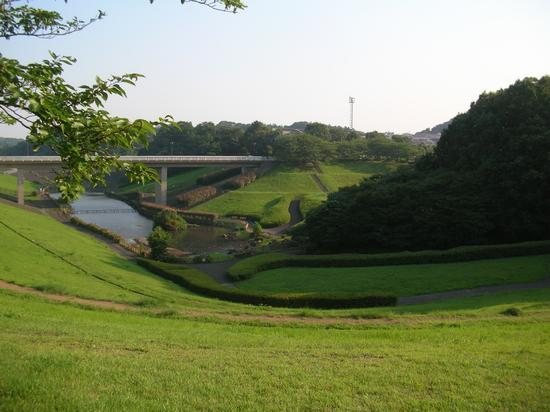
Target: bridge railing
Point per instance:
(14, 160)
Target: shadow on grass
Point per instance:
(528, 299)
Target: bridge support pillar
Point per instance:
(243, 170)
(162, 187)
(20, 187)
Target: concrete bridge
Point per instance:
(162, 163)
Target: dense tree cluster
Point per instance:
(317, 143)
(488, 181)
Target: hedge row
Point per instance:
(217, 176)
(195, 196)
(201, 283)
(106, 233)
(240, 181)
(246, 268)
(198, 218)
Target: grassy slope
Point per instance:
(267, 199)
(99, 273)
(179, 182)
(340, 174)
(8, 186)
(63, 357)
(459, 354)
(402, 280)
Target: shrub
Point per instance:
(158, 242)
(511, 312)
(245, 269)
(217, 176)
(240, 181)
(257, 229)
(199, 195)
(201, 283)
(170, 220)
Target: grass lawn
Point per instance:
(341, 174)
(204, 354)
(403, 280)
(8, 186)
(63, 357)
(179, 182)
(39, 252)
(267, 199)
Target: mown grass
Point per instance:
(8, 186)
(178, 182)
(39, 252)
(203, 354)
(270, 209)
(268, 198)
(403, 280)
(60, 357)
(341, 174)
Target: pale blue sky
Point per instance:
(410, 63)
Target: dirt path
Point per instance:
(104, 304)
(465, 293)
(295, 217)
(217, 271)
(272, 319)
(319, 183)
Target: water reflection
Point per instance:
(197, 239)
(128, 225)
(204, 239)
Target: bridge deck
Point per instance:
(14, 161)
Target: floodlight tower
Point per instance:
(351, 102)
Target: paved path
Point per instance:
(465, 293)
(217, 271)
(295, 217)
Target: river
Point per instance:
(91, 208)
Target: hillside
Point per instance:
(8, 187)
(268, 198)
(487, 182)
(165, 345)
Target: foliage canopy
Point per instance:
(69, 120)
(488, 181)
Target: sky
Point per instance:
(410, 64)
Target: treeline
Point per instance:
(311, 143)
(318, 142)
(487, 182)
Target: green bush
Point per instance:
(217, 176)
(201, 283)
(170, 220)
(511, 312)
(97, 229)
(199, 195)
(257, 229)
(245, 269)
(158, 242)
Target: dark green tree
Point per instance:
(488, 181)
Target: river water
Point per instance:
(129, 225)
(91, 208)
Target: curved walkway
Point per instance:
(466, 293)
(295, 218)
(217, 271)
(104, 304)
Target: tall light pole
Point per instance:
(351, 102)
